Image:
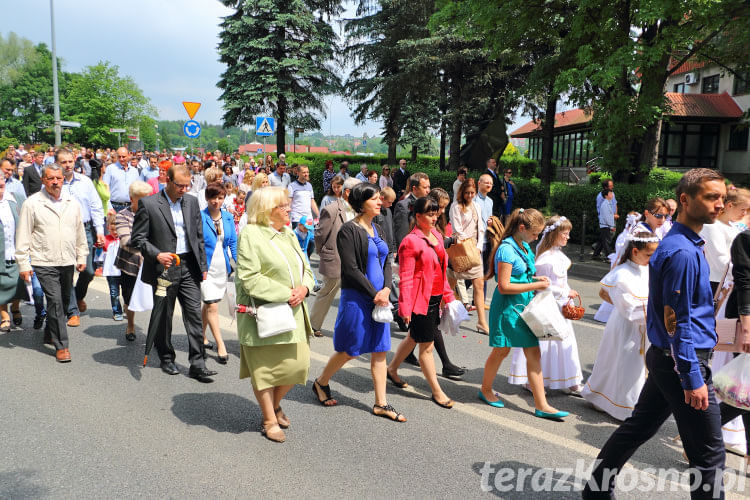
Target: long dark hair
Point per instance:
(423, 205)
(439, 194)
(96, 170)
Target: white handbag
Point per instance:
(383, 314)
(275, 317)
(543, 317)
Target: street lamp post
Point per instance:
(55, 93)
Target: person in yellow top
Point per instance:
(272, 268)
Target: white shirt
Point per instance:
(9, 229)
(301, 196)
(276, 180)
(719, 237)
(82, 189)
(179, 225)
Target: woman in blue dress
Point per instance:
(516, 284)
(365, 270)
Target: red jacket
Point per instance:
(418, 269)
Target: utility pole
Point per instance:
(55, 92)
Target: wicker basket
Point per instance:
(572, 311)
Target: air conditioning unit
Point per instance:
(691, 78)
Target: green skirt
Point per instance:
(11, 287)
(507, 329)
(275, 364)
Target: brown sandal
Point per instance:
(276, 435)
(281, 418)
(388, 412)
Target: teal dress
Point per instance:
(507, 329)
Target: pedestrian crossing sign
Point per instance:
(265, 125)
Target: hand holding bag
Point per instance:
(464, 255)
(275, 317)
(383, 314)
(543, 317)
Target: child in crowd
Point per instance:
(620, 369)
(111, 247)
(305, 232)
(561, 367)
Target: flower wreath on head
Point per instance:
(549, 229)
(642, 239)
(631, 221)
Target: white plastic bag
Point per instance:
(142, 298)
(543, 317)
(108, 268)
(732, 382)
(232, 299)
(454, 314)
(383, 314)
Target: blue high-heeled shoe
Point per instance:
(553, 416)
(496, 404)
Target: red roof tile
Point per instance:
(703, 106)
(564, 119)
(687, 66)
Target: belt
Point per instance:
(703, 354)
(184, 256)
(88, 223)
(10, 262)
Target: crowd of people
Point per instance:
(164, 228)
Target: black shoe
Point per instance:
(169, 368)
(209, 346)
(38, 322)
(201, 374)
(222, 359)
(453, 373)
(412, 360)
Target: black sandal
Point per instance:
(17, 317)
(400, 385)
(326, 390)
(387, 410)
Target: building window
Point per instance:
(711, 84)
(689, 145)
(679, 88)
(742, 84)
(738, 137)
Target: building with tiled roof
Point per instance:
(703, 126)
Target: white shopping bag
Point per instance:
(732, 382)
(543, 317)
(143, 295)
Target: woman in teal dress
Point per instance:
(516, 284)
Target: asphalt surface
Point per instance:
(104, 427)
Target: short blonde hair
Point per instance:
(139, 189)
(249, 176)
(388, 193)
(262, 202)
(260, 177)
(213, 174)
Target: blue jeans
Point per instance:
(114, 294)
(38, 296)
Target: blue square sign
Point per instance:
(265, 126)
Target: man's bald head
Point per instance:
(123, 156)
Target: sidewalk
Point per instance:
(585, 268)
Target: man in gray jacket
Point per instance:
(332, 217)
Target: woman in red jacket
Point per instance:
(423, 287)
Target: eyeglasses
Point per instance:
(181, 186)
(660, 216)
(285, 206)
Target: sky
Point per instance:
(167, 46)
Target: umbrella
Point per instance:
(162, 283)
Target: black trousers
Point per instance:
(85, 276)
(185, 288)
(604, 245)
(662, 395)
(56, 283)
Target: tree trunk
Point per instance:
(455, 126)
(548, 139)
(413, 152)
(653, 79)
(442, 143)
(281, 126)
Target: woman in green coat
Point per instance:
(272, 268)
(9, 283)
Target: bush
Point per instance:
(596, 178)
(5, 142)
(667, 179)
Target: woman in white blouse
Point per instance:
(9, 274)
(466, 220)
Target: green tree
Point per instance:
(100, 99)
(279, 57)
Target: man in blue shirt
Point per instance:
(81, 189)
(119, 176)
(682, 330)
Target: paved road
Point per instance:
(102, 426)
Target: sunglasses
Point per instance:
(660, 216)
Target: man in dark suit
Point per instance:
(402, 215)
(32, 175)
(497, 192)
(170, 223)
(399, 178)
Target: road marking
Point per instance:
(228, 324)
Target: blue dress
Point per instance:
(356, 332)
(507, 329)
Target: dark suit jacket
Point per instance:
(32, 182)
(739, 300)
(402, 217)
(154, 232)
(399, 181)
(497, 193)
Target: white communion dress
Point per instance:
(561, 367)
(620, 370)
